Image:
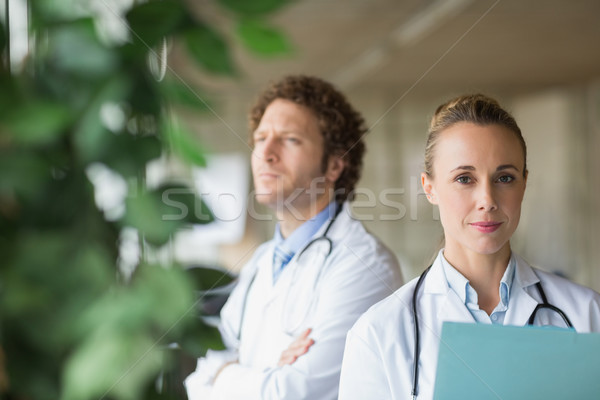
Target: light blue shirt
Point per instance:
(303, 234)
(464, 290)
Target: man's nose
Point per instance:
(267, 149)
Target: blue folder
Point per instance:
(478, 361)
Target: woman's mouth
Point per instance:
(486, 226)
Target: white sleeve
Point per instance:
(347, 292)
(198, 385)
(363, 375)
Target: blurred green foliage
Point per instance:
(71, 326)
(262, 38)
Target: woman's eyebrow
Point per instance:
(472, 168)
(506, 166)
(464, 167)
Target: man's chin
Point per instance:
(277, 204)
(267, 200)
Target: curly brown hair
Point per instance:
(341, 125)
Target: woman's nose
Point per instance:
(486, 200)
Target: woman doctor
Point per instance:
(476, 173)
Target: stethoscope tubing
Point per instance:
(543, 304)
(323, 236)
(417, 334)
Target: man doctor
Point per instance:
(285, 323)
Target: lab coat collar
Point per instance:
(452, 308)
(265, 261)
(342, 220)
(264, 276)
(436, 279)
(304, 233)
(521, 303)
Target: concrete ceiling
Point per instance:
(421, 47)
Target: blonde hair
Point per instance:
(475, 108)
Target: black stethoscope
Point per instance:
(324, 238)
(543, 304)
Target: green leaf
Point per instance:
(144, 97)
(201, 337)
(9, 95)
(2, 38)
(111, 361)
(69, 331)
(182, 204)
(147, 213)
(128, 154)
(91, 138)
(209, 50)
(150, 22)
(125, 334)
(37, 123)
(74, 48)
(255, 7)
(184, 144)
(51, 279)
(262, 39)
(48, 12)
(22, 173)
(158, 297)
(172, 297)
(184, 94)
(209, 278)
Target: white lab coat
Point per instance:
(378, 359)
(325, 293)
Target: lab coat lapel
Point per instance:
(451, 308)
(309, 265)
(274, 289)
(521, 304)
(305, 270)
(264, 278)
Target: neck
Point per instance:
(484, 271)
(290, 218)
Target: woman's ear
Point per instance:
(335, 167)
(428, 188)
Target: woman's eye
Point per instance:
(463, 179)
(506, 179)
